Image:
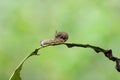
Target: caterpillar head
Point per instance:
(61, 36)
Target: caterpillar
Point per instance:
(60, 37)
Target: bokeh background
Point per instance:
(24, 23)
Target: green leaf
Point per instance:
(16, 73)
(107, 53)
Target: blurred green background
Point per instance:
(24, 23)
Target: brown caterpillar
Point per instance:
(60, 37)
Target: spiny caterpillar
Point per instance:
(60, 37)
